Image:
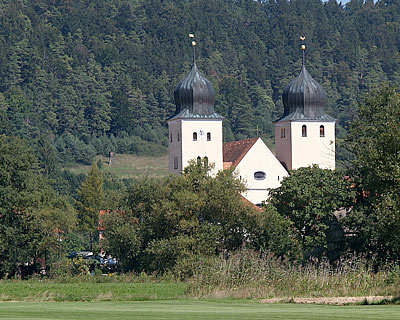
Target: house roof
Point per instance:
(235, 151)
(251, 204)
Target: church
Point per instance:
(304, 135)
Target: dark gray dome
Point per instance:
(195, 96)
(304, 96)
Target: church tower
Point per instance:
(305, 135)
(195, 130)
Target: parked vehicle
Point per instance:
(106, 264)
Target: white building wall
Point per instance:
(260, 158)
(175, 146)
(313, 149)
(186, 149)
(283, 143)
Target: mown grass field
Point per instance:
(127, 299)
(126, 166)
(190, 309)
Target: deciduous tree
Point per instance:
(309, 197)
(374, 141)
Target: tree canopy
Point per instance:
(32, 215)
(309, 198)
(374, 140)
(176, 222)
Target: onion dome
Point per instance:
(195, 96)
(304, 95)
(304, 98)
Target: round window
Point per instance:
(259, 175)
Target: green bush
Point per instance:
(77, 267)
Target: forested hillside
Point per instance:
(80, 78)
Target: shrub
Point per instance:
(77, 267)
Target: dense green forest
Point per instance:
(79, 78)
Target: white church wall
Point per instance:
(212, 149)
(175, 146)
(260, 159)
(313, 148)
(283, 143)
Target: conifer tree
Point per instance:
(90, 201)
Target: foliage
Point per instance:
(309, 197)
(122, 238)
(32, 217)
(275, 234)
(66, 268)
(90, 201)
(167, 223)
(375, 142)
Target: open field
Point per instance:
(190, 309)
(126, 166)
(89, 291)
(112, 299)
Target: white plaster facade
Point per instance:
(295, 149)
(184, 146)
(260, 159)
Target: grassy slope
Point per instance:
(129, 166)
(190, 309)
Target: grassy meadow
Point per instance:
(45, 291)
(145, 297)
(191, 309)
(126, 166)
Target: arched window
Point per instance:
(178, 136)
(208, 136)
(198, 160)
(175, 162)
(322, 131)
(194, 136)
(304, 131)
(283, 133)
(171, 137)
(206, 161)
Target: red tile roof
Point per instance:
(235, 151)
(251, 204)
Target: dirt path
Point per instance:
(329, 300)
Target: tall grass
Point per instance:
(247, 274)
(244, 274)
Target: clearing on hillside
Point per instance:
(127, 166)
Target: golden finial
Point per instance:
(191, 36)
(303, 46)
